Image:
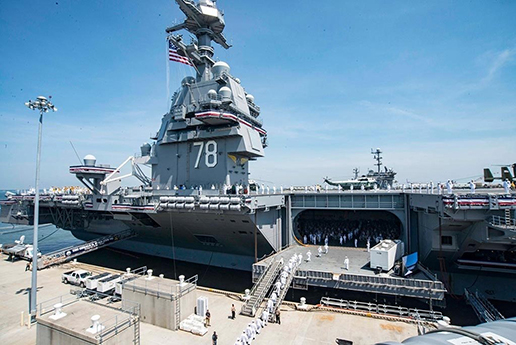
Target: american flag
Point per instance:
(174, 56)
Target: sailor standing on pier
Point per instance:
(326, 248)
(308, 256)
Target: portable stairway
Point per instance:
(282, 295)
(260, 289)
(486, 312)
(62, 255)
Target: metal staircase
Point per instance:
(62, 255)
(281, 297)
(260, 289)
(485, 311)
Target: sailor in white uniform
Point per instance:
(319, 252)
(449, 187)
(278, 287)
(346, 263)
(472, 187)
(253, 326)
(249, 332)
(259, 325)
(326, 248)
(308, 256)
(265, 317)
(244, 339)
(506, 186)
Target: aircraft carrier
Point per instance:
(199, 206)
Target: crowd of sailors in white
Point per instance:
(271, 310)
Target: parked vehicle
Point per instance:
(77, 277)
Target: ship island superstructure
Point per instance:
(198, 205)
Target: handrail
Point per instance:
(383, 309)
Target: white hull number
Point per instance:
(210, 153)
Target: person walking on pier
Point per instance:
(346, 263)
(356, 242)
(265, 317)
(326, 248)
(233, 311)
(214, 337)
(243, 338)
(278, 316)
(208, 316)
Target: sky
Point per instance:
(431, 83)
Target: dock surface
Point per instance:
(297, 327)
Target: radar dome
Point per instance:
(145, 148)
(218, 68)
(249, 97)
(212, 94)
(90, 160)
(187, 81)
(225, 93)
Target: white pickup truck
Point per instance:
(76, 277)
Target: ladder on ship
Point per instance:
(260, 289)
(485, 311)
(282, 295)
(62, 255)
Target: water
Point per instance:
(50, 238)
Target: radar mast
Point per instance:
(377, 157)
(206, 22)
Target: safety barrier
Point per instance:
(383, 309)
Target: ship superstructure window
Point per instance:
(208, 240)
(446, 240)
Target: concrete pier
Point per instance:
(297, 327)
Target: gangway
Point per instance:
(260, 288)
(486, 312)
(62, 255)
(282, 295)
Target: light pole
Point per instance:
(43, 105)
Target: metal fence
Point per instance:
(383, 309)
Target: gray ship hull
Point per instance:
(229, 241)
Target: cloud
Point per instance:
(498, 62)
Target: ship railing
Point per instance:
(502, 221)
(383, 309)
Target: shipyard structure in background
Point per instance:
(199, 206)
